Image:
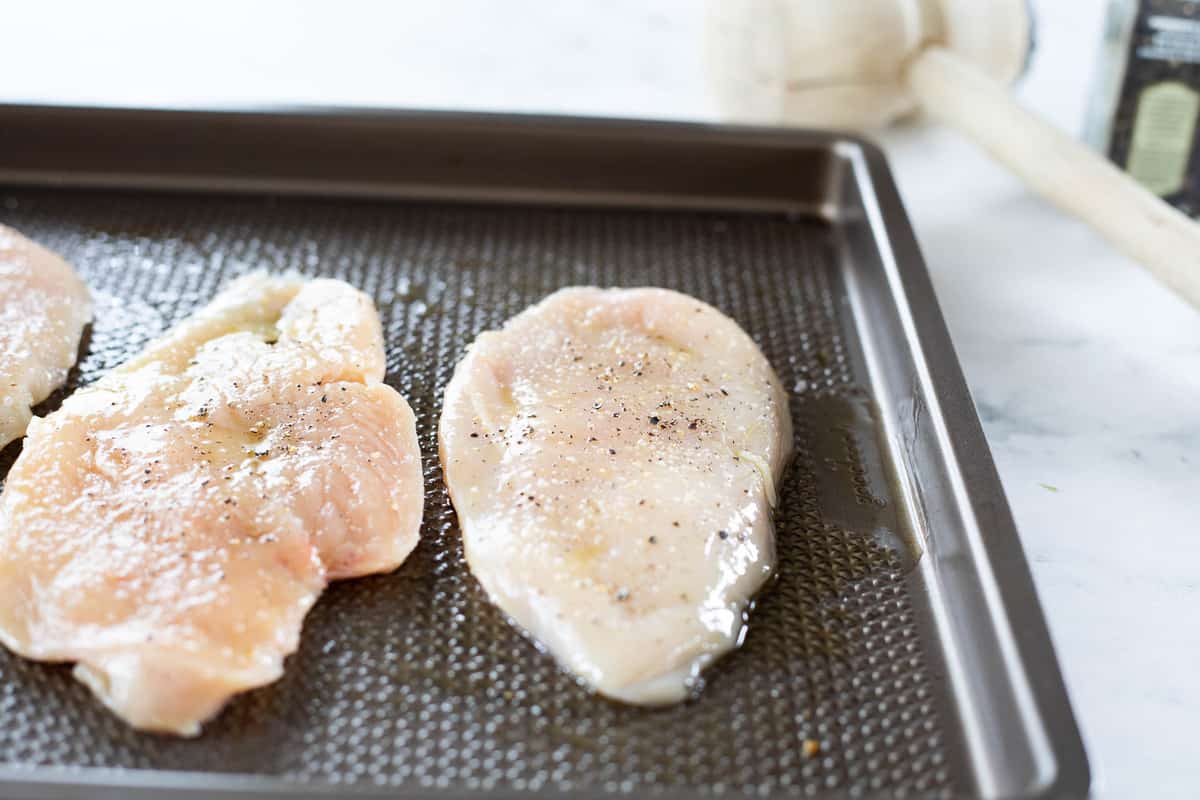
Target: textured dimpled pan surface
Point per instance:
(873, 664)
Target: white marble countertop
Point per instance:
(1085, 371)
(1086, 374)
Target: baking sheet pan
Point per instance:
(900, 652)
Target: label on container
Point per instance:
(1164, 129)
(1155, 121)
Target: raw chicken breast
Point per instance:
(44, 307)
(613, 457)
(169, 527)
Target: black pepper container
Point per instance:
(1146, 103)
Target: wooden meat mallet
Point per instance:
(863, 63)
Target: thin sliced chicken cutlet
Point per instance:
(612, 456)
(44, 307)
(169, 527)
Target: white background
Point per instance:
(1086, 373)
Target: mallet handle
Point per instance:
(1076, 179)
